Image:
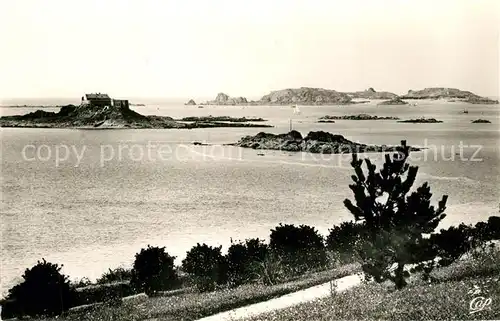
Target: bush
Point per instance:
(102, 293)
(344, 240)
(396, 225)
(452, 243)
(117, 275)
(44, 291)
(206, 266)
(242, 260)
(298, 248)
(271, 271)
(153, 270)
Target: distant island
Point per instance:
(191, 102)
(315, 142)
(308, 96)
(393, 101)
(452, 94)
(223, 99)
(302, 96)
(356, 117)
(370, 93)
(421, 120)
(104, 117)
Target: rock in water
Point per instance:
(190, 103)
(481, 121)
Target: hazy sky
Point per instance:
(196, 49)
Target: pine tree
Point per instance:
(395, 220)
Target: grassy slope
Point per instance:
(447, 298)
(192, 306)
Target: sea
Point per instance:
(91, 199)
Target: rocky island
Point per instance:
(370, 93)
(481, 121)
(315, 142)
(88, 116)
(191, 102)
(306, 96)
(451, 94)
(356, 117)
(421, 120)
(224, 100)
(394, 101)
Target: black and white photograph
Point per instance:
(217, 160)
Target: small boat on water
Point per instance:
(466, 111)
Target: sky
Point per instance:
(162, 48)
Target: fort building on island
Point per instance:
(103, 100)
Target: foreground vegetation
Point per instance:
(447, 297)
(194, 305)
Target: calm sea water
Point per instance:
(116, 191)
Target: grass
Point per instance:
(191, 306)
(448, 297)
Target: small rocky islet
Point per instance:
(318, 142)
(394, 101)
(329, 118)
(421, 121)
(481, 121)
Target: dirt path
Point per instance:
(313, 293)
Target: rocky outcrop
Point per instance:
(481, 121)
(357, 117)
(224, 100)
(315, 142)
(370, 93)
(86, 116)
(421, 120)
(394, 101)
(190, 103)
(305, 96)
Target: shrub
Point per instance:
(153, 270)
(102, 293)
(299, 248)
(117, 275)
(242, 260)
(486, 231)
(396, 225)
(44, 291)
(270, 271)
(344, 239)
(206, 266)
(452, 243)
